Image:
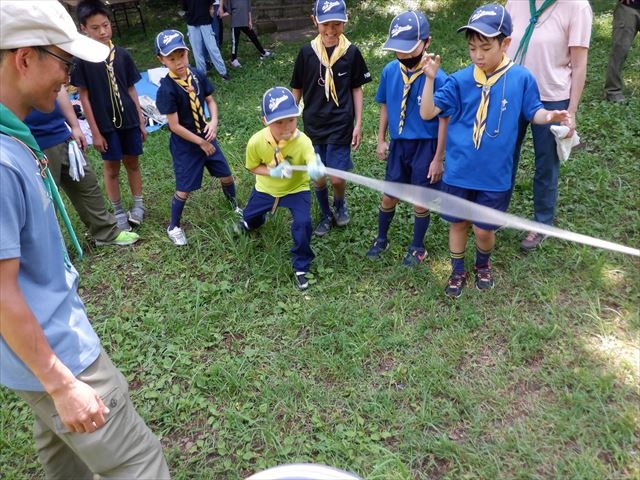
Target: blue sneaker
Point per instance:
(377, 248)
(323, 227)
(455, 284)
(414, 257)
(341, 216)
(300, 279)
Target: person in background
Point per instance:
(550, 38)
(50, 356)
(626, 25)
(200, 32)
(54, 139)
(242, 22)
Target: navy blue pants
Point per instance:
(299, 204)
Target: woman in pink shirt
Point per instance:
(551, 38)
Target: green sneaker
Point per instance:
(122, 240)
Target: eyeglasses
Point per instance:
(68, 65)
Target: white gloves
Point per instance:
(76, 161)
(564, 145)
(316, 168)
(283, 170)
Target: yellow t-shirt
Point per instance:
(298, 151)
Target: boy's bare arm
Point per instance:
(188, 135)
(436, 168)
(133, 93)
(544, 116)
(297, 94)
(99, 143)
(358, 107)
(70, 116)
(430, 65)
(382, 148)
(211, 128)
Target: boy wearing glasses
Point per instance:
(111, 106)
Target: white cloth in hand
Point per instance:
(76, 161)
(564, 145)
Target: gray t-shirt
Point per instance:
(240, 13)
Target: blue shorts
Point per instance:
(121, 143)
(409, 162)
(496, 200)
(189, 162)
(335, 156)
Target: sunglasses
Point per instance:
(68, 64)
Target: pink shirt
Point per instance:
(566, 23)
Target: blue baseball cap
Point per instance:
(278, 103)
(169, 41)
(490, 20)
(406, 32)
(330, 11)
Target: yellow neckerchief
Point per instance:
(480, 123)
(279, 146)
(408, 77)
(116, 102)
(196, 108)
(328, 63)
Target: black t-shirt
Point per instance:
(324, 121)
(94, 77)
(197, 12)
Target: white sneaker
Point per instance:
(177, 236)
(266, 54)
(235, 63)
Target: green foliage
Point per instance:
(372, 369)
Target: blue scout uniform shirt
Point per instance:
(390, 93)
(172, 98)
(489, 168)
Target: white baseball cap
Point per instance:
(42, 23)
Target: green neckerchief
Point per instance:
(12, 126)
(526, 37)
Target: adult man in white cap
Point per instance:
(49, 354)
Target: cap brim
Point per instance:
(401, 46)
(332, 18)
(85, 48)
(280, 115)
(169, 51)
(475, 28)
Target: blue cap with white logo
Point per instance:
(330, 11)
(278, 103)
(169, 41)
(490, 20)
(406, 32)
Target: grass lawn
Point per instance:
(372, 369)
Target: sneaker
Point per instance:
(123, 239)
(177, 236)
(377, 248)
(414, 257)
(301, 281)
(235, 63)
(323, 227)
(235, 207)
(266, 54)
(341, 216)
(123, 222)
(136, 215)
(532, 241)
(616, 98)
(454, 284)
(240, 228)
(484, 279)
(226, 77)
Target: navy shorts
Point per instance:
(335, 156)
(121, 143)
(189, 162)
(409, 162)
(496, 200)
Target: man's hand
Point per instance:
(80, 407)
